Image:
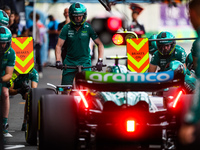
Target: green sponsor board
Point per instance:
(129, 77)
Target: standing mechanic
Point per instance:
(77, 35)
(7, 62)
(19, 85)
(188, 131)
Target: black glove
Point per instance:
(179, 69)
(99, 64)
(59, 65)
(23, 90)
(179, 72)
(26, 87)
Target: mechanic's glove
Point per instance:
(179, 72)
(59, 65)
(9, 83)
(179, 69)
(26, 87)
(99, 64)
(23, 90)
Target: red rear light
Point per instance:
(130, 126)
(117, 39)
(83, 99)
(114, 23)
(177, 98)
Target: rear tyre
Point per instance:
(58, 122)
(31, 110)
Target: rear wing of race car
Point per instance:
(129, 81)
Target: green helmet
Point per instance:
(162, 44)
(5, 39)
(4, 19)
(77, 9)
(175, 65)
(152, 44)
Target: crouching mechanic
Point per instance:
(7, 63)
(19, 85)
(167, 52)
(76, 35)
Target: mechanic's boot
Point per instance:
(23, 127)
(5, 130)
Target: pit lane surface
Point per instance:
(51, 75)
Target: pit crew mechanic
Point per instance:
(192, 118)
(19, 85)
(7, 62)
(167, 51)
(77, 35)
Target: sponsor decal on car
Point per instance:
(129, 77)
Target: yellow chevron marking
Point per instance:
(130, 68)
(144, 70)
(137, 47)
(18, 70)
(27, 70)
(141, 62)
(23, 63)
(22, 45)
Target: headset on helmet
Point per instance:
(5, 38)
(77, 9)
(152, 44)
(161, 43)
(4, 19)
